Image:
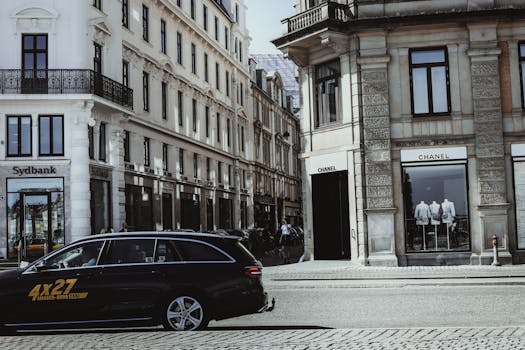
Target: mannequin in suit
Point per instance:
(448, 215)
(422, 214)
(435, 218)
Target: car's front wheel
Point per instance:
(185, 313)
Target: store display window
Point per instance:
(436, 208)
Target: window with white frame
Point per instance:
(327, 93)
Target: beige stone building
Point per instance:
(413, 133)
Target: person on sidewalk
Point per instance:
(285, 242)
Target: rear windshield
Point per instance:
(247, 256)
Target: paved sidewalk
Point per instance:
(346, 270)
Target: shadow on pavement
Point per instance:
(264, 328)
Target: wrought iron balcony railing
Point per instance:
(323, 12)
(64, 81)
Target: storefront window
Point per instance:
(519, 185)
(139, 208)
(35, 216)
(436, 208)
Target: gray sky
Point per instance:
(264, 22)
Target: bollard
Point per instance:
(495, 262)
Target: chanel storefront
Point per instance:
(35, 206)
(435, 202)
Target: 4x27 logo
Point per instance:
(59, 290)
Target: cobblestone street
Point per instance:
(512, 338)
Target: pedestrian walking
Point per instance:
(285, 242)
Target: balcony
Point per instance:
(329, 12)
(64, 81)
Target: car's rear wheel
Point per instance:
(185, 313)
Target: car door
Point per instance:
(130, 274)
(61, 288)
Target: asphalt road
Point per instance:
(410, 306)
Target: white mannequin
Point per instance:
(449, 211)
(434, 213)
(422, 213)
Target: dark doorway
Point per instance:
(209, 214)
(167, 211)
(190, 211)
(330, 212)
(225, 213)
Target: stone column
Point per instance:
(116, 159)
(488, 127)
(378, 160)
(80, 191)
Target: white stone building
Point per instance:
(413, 129)
(122, 111)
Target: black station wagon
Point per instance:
(178, 279)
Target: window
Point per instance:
(146, 151)
(328, 93)
(130, 251)
(193, 59)
(181, 161)
(125, 14)
(125, 73)
(195, 165)
(207, 120)
(228, 131)
(19, 136)
(164, 100)
(237, 13)
(145, 90)
(218, 127)
(219, 172)
(206, 77)
(180, 102)
(241, 91)
(230, 177)
(208, 169)
(240, 51)
(226, 38)
(51, 135)
(86, 254)
(436, 208)
(194, 114)
(102, 142)
(216, 23)
(165, 157)
(97, 4)
(167, 252)
(145, 23)
(242, 138)
(91, 138)
(126, 146)
(197, 251)
(162, 36)
(429, 82)
(522, 72)
(257, 145)
(217, 78)
(244, 179)
(179, 48)
(179, 3)
(192, 9)
(227, 83)
(97, 58)
(205, 17)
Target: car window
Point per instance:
(166, 251)
(130, 251)
(196, 251)
(80, 255)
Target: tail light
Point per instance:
(253, 271)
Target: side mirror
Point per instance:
(24, 264)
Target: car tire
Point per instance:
(185, 312)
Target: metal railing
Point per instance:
(326, 11)
(64, 81)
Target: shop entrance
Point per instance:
(330, 216)
(35, 219)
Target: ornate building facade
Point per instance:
(413, 133)
(122, 113)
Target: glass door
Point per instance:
(36, 225)
(34, 63)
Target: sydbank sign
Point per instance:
(433, 154)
